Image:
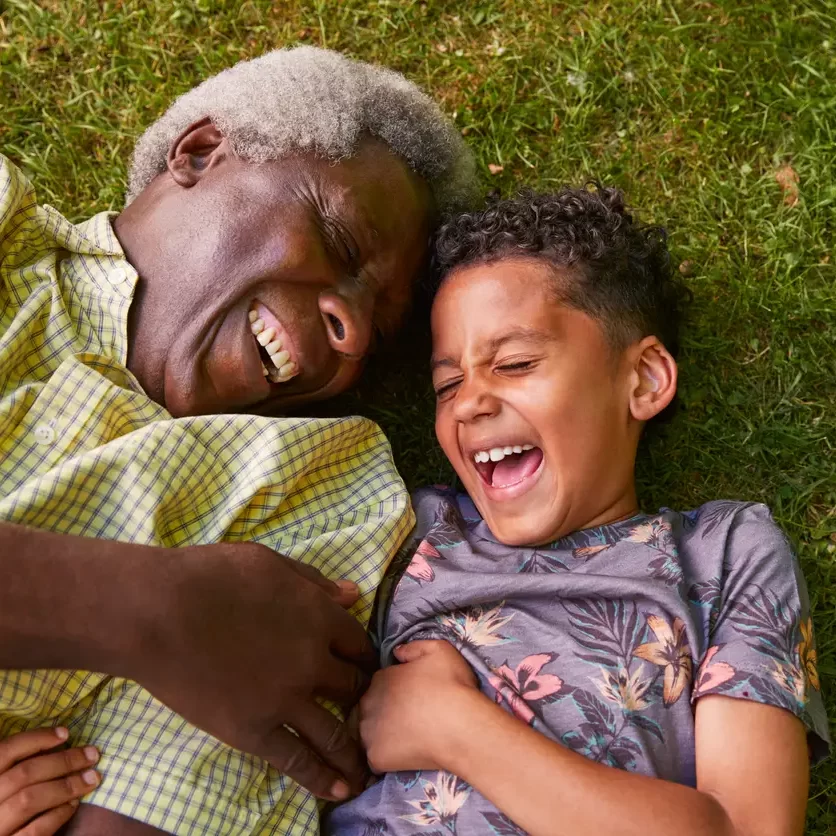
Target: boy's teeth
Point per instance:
(264, 370)
(497, 454)
(256, 325)
(274, 347)
(280, 358)
(253, 316)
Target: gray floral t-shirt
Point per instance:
(602, 641)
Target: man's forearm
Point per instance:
(71, 602)
(550, 791)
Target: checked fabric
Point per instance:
(84, 451)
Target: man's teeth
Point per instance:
(282, 369)
(497, 454)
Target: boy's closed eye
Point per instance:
(513, 367)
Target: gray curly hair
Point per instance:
(310, 99)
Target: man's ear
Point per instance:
(653, 380)
(193, 152)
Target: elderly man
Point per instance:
(277, 217)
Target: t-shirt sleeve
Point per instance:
(761, 645)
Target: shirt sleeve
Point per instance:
(17, 212)
(761, 644)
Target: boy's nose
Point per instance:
(474, 402)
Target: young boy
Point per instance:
(546, 628)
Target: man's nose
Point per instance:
(474, 401)
(348, 324)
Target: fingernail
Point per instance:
(347, 586)
(61, 733)
(91, 753)
(90, 777)
(340, 790)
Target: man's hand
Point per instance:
(40, 788)
(405, 712)
(244, 643)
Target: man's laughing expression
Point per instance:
(288, 270)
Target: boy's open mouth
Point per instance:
(503, 467)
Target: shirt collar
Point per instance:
(97, 232)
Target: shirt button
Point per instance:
(44, 434)
(118, 275)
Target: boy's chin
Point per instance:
(524, 530)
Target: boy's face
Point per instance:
(514, 368)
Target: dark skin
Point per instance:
(319, 245)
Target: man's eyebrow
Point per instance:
(531, 335)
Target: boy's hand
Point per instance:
(405, 712)
(39, 792)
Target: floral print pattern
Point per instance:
(525, 685)
(602, 641)
(476, 627)
(670, 652)
(443, 798)
(419, 568)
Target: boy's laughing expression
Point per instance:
(533, 404)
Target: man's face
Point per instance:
(532, 405)
(284, 272)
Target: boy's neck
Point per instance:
(621, 508)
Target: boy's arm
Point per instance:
(427, 714)
(195, 627)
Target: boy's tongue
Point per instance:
(515, 468)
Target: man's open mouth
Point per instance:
(274, 347)
(503, 467)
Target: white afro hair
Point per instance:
(310, 99)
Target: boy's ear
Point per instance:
(193, 152)
(653, 380)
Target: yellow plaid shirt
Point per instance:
(84, 451)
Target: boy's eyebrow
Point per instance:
(531, 335)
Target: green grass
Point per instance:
(691, 107)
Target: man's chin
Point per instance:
(185, 398)
(295, 402)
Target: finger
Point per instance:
(293, 757)
(50, 822)
(38, 798)
(37, 769)
(343, 682)
(351, 641)
(344, 592)
(18, 747)
(328, 737)
(416, 650)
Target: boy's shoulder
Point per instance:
(437, 503)
(723, 518)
